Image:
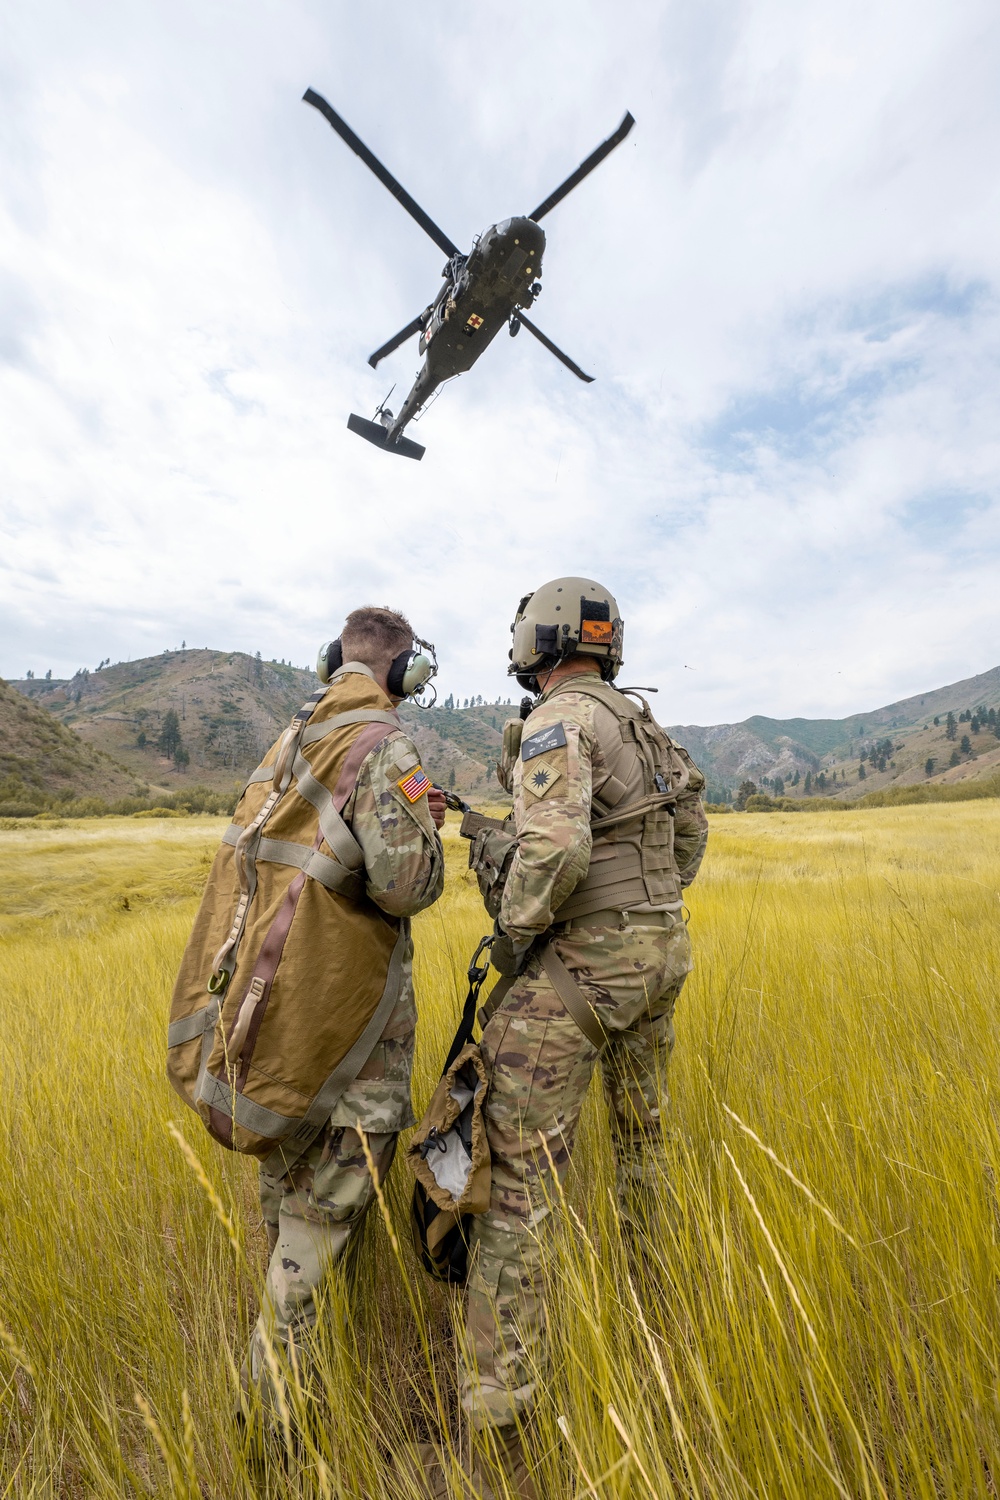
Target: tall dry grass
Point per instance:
(814, 1313)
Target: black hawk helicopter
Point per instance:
(482, 291)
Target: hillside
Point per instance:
(230, 707)
(42, 759)
(763, 749)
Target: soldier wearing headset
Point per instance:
(315, 1211)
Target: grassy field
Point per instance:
(818, 1314)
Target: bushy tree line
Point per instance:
(196, 799)
(896, 796)
(476, 701)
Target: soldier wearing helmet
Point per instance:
(609, 829)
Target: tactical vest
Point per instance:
(291, 972)
(632, 860)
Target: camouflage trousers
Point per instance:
(314, 1214)
(541, 1070)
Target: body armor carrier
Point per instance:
(632, 815)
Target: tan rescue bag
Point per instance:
(290, 973)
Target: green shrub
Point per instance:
(20, 809)
(85, 807)
(16, 802)
(762, 803)
(958, 791)
(897, 796)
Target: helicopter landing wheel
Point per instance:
(515, 325)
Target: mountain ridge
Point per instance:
(230, 707)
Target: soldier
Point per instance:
(314, 1211)
(592, 941)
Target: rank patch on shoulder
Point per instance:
(549, 738)
(414, 785)
(539, 780)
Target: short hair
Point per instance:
(375, 636)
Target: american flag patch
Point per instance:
(414, 785)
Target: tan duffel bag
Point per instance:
(291, 972)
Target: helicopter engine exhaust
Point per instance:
(379, 435)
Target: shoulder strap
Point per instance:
(319, 731)
(477, 973)
(612, 699)
(314, 732)
(561, 980)
(573, 998)
(646, 729)
(281, 775)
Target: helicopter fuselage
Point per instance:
(481, 295)
(482, 290)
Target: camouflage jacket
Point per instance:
(553, 796)
(404, 861)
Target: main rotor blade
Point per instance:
(554, 349)
(593, 160)
(384, 176)
(396, 340)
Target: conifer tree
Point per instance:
(170, 733)
(747, 789)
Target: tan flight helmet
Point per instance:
(567, 617)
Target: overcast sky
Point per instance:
(785, 282)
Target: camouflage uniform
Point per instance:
(631, 966)
(314, 1212)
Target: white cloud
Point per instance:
(785, 282)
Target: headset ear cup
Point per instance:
(396, 677)
(329, 660)
(419, 672)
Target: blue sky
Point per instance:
(785, 282)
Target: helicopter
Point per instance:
(481, 291)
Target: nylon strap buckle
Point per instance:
(477, 972)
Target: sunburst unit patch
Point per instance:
(414, 784)
(539, 779)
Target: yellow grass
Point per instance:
(817, 1312)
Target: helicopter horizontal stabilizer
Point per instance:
(376, 433)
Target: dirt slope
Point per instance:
(41, 758)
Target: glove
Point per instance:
(506, 956)
(490, 856)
